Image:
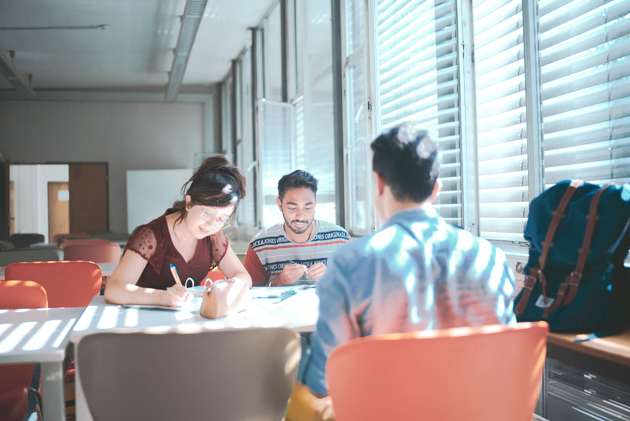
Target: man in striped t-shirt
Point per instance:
(298, 249)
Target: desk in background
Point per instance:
(41, 335)
(586, 380)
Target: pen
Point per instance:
(174, 272)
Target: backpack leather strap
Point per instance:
(537, 271)
(574, 278)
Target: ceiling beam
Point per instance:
(190, 24)
(14, 77)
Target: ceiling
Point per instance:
(134, 53)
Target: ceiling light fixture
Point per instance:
(190, 24)
(103, 26)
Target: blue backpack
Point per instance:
(579, 235)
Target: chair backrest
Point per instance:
(6, 245)
(248, 374)
(68, 284)
(16, 378)
(65, 243)
(22, 294)
(112, 236)
(69, 235)
(474, 374)
(39, 254)
(25, 240)
(93, 252)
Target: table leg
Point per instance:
(54, 402)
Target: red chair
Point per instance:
(214, 275)
(69, 235)
(103, 252)
(83, 241)
(16, 378)
(475, 374)
(68, 284)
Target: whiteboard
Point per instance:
(151, 192)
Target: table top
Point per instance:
(106, 269)
(298, 312)
(614, 348)
(38, 335)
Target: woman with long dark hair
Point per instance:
(189, 236)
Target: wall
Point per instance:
(128, 136)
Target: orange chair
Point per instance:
(82, 241)
(16, 378)
(474, 374)
(215, 275)
(104, 252)
(69, 235)
(68, 284)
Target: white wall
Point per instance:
(31, 195)
(155, 190)
(128, 136)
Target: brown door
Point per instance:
(58, 209)
(88, 197)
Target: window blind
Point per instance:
(501, 119)
(417, 82)
(585, 65)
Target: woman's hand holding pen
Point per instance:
(176, 296)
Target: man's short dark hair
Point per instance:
(297, 179)
(407, 160)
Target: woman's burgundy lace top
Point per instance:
(153, 242)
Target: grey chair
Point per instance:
(25, 240)
(6, 245)
(40, 254)
(243, 374)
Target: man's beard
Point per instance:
(306, 228)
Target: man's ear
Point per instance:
(279, 202)
(380, 183)
(436, 190)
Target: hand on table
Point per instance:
(316, 271)
(176, 296)
(290, 273)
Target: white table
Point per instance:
(40, 335)
(106, 269)
(298, 313)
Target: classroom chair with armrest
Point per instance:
(25, 240)
(56, 237)
(6, 245)
(31, 255)
(16, 378)
(474, 374)
(247, 374)
(67, 284)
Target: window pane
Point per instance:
(276, 128)
(320, 124)
(359, 167)
(417, 79)
(354, 25)
(585, 57)
(273, 56)
(501, 119)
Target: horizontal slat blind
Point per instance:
(417, 81)
(501, 119)
(585, 59)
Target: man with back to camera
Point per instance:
(381, 283)
(299, 248)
